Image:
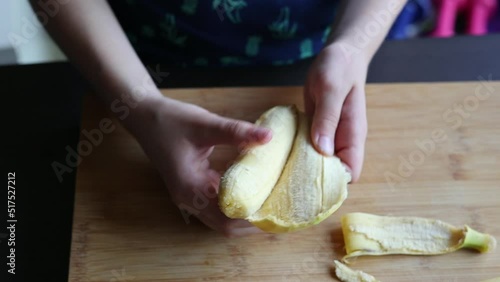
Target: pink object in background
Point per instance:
(477, 14)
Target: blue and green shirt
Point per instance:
(226, 32)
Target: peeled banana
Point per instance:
(368, 234)
(309, 190)
(345, 274)
(247, 183)
(287, 186)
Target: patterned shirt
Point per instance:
(226, 32)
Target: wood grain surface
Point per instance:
(433, 150)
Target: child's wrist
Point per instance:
(351, 49)
(143, 113)
(344, 50)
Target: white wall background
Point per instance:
(5, 23)
(37, 46)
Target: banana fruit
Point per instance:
(310, 189)
(281, 189)
(368, 234)
(247, 183)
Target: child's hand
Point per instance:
(178, 138)
(334, 96)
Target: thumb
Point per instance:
(325, 121)
(223, 130)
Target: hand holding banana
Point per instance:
(178, 138)
(334, 96)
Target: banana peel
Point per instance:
(346, 274)
(309, 187)
(373, 235)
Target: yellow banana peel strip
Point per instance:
(346, 274)
(373, 235)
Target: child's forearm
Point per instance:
(91, 37)
(363, 24)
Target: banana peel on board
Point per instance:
(373, 235)
(346, 274)
(284, 185)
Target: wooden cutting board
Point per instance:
(126, 229)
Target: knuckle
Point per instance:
(325, 82)
(328, 120)
(234, 127)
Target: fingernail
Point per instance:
(325, 144)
